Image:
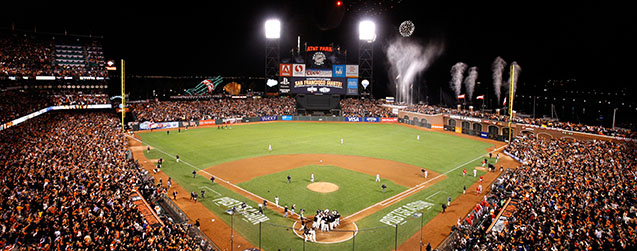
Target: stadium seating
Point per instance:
(569, 195)
(65, 186)
(40, 55)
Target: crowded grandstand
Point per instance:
(70, 182)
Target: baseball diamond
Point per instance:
(251, 174)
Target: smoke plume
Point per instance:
(497, 67)
(457, 71)
(470, 81)
(516, 72)
(408, 59)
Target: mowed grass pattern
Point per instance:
(206, 147)
(356, 190)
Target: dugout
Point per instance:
(318, 104)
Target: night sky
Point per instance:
(591, 42)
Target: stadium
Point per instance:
(131, 130)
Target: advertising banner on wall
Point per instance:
(351, 71)
(285, 70)
(458, 129)
(286, 117)
(188, 123)
(338, 70)
(484, 135)
(388, 119)
(207, 122)
(318, 73)
(162, 125)
(267, 118)
(372, 119)
(352, 86)
(284, 85)
(318, 85)
(352, 119)
(298, 70)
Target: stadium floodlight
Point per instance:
(367, 31)
(273, 29)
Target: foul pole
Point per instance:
(123, 109)
(511, 88)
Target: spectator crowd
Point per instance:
(163, 111)
(352, 107)
(65, 185)
(570, 195)
(35, 55)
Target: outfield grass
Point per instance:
(350, 183)
(205, 147)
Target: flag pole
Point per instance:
(123, 96)
(511, 88)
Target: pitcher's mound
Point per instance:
(323, 187)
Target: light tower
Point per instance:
(366, 36)
(272, 52)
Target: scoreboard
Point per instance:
(318, 74)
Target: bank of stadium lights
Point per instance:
(273, 29)
(367, 31)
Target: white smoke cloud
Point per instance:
(407, 60)
(457, 71)
(497, 67)
(470, 82)
(516, 71)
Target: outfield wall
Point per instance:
(483, 128)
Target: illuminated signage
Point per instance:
(319, 48)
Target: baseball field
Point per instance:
(345, 178)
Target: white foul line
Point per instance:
(411, 190)
(206, 187)
(436, 193)
(203, 171)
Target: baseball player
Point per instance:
(479, 189)
(270, 148)
(497, 157)
(194, 174)
(341, 141)
(285, 210)
(426, 173)
(203, 194)
(383, 186)
(289, 179)
(418, 137)
(148, 149)
(464, 172)
(312, 178)
(306, 234)
(378, 177)
(313, 235)
(212, 179)
(175, 195)
(475, 172)
(448, 200)
(276, 200)
(177, 157)
(464, 190)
